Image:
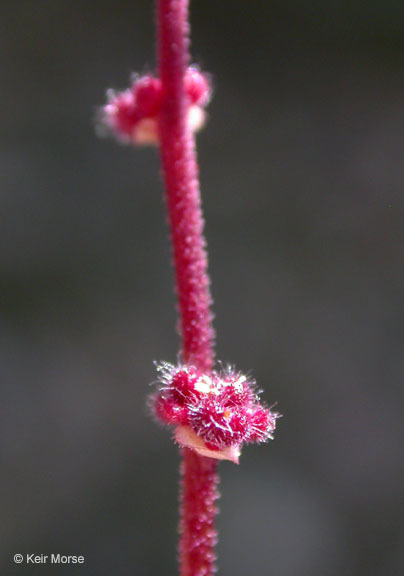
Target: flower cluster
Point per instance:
(213, 414)
(132, 115)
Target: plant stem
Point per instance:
(182, 189)
(180, 170)
(197, 514)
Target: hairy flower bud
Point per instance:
(213, 414)
(197, 87)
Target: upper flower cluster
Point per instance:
(132, 115)
(214, 414)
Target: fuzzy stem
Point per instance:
(180, 170)
(199, 481)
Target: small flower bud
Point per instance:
(120, 114)
(147, 96)
(197, 87)
(261, 424)
(167, 410)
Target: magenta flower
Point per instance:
(131, 116)
(213, 414)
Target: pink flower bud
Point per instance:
(183, 386)
(147, 96)
(120, 114)
(261, 424)
(197, 87)
(167, 410)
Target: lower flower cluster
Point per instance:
(213, 414)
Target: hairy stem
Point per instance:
(182, 189)
(199, 481)
(180, 170)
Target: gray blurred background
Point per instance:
(302, 177)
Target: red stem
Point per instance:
(197, 514)
(182, 189)
(180, 169)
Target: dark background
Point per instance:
(302, 178)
